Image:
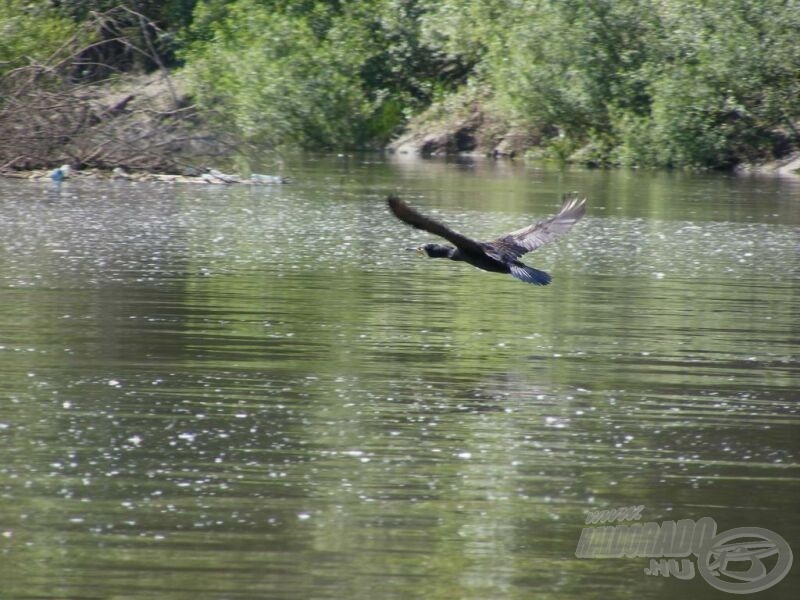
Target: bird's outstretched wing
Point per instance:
(537, 235)
(410, 216)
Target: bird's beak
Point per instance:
(419, 251)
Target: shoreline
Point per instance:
(788, 167)
(211, 177)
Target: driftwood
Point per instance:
(74, 108)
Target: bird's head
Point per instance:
(434, 250)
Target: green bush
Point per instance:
(30, 32)
(648, 82)
(271, 79)
(728, 83)
(313, 74)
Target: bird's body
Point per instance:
(500, 255)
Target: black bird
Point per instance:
(502, 254)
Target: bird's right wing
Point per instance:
(537, 235)
(408, 215)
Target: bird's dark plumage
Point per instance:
(500, 255)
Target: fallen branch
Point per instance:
(52, 113)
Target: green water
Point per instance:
(232, 392)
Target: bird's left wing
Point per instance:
(537, 235)
(410, 216)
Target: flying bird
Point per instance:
(500, 255)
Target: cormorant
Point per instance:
(500, 255)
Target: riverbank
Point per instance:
(210, 177)
(471, 129)
(635, 84)
(144, 127)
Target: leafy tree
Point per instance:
(316, 74)
(30, 32)
(727, 86)
(275, 80)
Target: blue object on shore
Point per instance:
(60, 174)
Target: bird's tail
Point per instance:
(530, 275)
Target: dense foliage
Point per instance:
(317, 74)
(661, 82)
(30, 32)
(703, 83)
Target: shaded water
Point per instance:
(254, 393)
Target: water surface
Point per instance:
(234, 392)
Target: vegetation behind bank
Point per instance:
(697, 83)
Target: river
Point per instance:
(254, 392)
